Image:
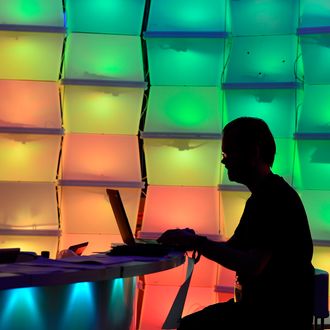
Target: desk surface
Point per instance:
(98, 267)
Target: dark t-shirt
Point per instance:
(274, 219)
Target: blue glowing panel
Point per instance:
(314, 115)
(315, 55)
(262, 59)
(255, 17)
(187, 15)
(104, 16)
(184, 109)
(276, 106)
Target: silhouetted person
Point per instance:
(271, 249)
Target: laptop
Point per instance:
(132, 246)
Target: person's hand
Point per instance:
(184, 239)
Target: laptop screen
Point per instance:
(121, 216)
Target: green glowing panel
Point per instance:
(315, 54)
(30, 55)
(276, 106)
(187, 15)
(28, 206)
(262, 59)
(314, 115)
(255, 17)
(184, 109)
(312, 165)
(106, 57)
(182, 162)
(317, 205)
(29, 157)
(32, 12)
(283, 164)
(314, 13)
(185, 61)
(97, 109)
(104, 16)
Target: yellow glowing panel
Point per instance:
(87, 210)
(96, 242)
(29, 157)
(232, 206)
(100, 157)
(181, 207)
(29, 104)
(182, 162)
(321, 257)
(30, 55)
(98, 109)
(28, 206)
(31, 243)
(154, 314)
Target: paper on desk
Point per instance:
(174, 316)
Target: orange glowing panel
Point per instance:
(29, 157)
(226, 280)
(100, 157)
(29, 104)
(102, 109)
(28, 206)
(180, 207)
(33, 243)
(188, 162)
(232, 206)
(87, 210)
(30, 55)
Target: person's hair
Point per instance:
(249, 132)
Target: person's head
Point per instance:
(248, 149)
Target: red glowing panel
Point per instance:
(29, 104)
(181, 207)
(101, 157)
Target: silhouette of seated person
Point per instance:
(271, 249)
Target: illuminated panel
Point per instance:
(314, 13)
(187, 15)
(102, 109)
(184, 109)
(106, 57)
(34, 243)
(267, 17)
(312, 165)
(321, 258)
(317, 205)
(154, 314)
(262, 59)
(181, 207)
(276, 106)
(28, 206)
(36, 12)
(29, 104)
(185, 61)
(226, 282)
(87, 210)
(182, 161)
(314, 115)
(100, 157)
(283, 164)
(315, 55)
(232, 204)
(30, 55)
(29, 157)
(103, 16)
(205, 275)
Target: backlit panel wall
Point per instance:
(31, 38)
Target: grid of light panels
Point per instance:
(74, 78)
